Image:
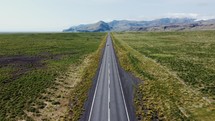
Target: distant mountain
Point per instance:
(164, 24)
(100, 26)
(196, 25)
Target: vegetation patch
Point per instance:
(80, 93)
(56, 98)
(30, 64)
(171, 86)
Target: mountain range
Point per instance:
(163, 24)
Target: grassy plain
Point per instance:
(29, 64)
(178, 70)
(80, 93)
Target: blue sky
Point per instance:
(56, 15)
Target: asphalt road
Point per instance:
(108, 100)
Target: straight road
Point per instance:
(108, 102)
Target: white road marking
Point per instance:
(95, 90)
(108, 88)
(108, 91)
(126, 110)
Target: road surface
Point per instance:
(108, 100)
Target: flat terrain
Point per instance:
(29, 63)
(189, 54)
(178, 69)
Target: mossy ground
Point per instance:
(30, 63)
(178, 73)
(80, 93)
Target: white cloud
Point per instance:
(189, 15)
(182, 15)
(107, 1)
(174, 15)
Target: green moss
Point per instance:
(165, 60)
(55, 52)
(80, 93)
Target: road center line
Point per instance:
(126, 110)
(108, 91)
(97, 83)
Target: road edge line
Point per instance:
(126, 110)
(96, 85)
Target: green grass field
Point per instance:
(29, 63)
(190, 54)
(178, 69)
